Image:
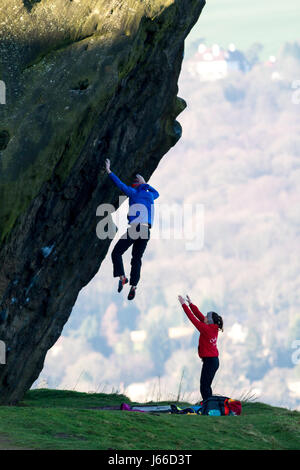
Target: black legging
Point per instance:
(209, 368)
(138, 236)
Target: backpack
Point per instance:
(220, 406)
(186, 411)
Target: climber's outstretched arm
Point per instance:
(126, 189)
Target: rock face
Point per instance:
(84, 80)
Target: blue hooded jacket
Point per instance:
(141, 201)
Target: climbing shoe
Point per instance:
(122, 283)
(131, 294)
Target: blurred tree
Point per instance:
(253, 53)
(290, 49)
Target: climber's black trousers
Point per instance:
(209, 368)
(136, 236)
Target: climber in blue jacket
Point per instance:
(140, 217)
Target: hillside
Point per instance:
(57, 419)
(269, 23)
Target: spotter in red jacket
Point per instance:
(207, 346)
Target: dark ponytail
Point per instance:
(218, 320)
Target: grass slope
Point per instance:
(57, 419)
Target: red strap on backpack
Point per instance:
(226, 407)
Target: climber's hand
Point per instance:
(140, 179)
(181, 299)
(188, 299)
(107, 165)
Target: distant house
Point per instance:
(215, 63)
(208, 64)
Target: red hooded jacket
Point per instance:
(208, 333)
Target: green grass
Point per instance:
(270, 22)
(56, 419)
